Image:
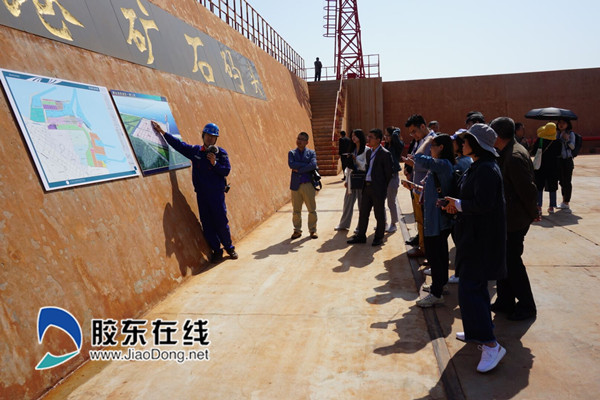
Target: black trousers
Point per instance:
(565, 174)
(372, 199)
(436, 250)
(516, 286)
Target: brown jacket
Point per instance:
(520, 191)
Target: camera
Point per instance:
(212, 149)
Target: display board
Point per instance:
(153, 153)
(72, 130)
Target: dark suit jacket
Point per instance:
(382, 169)
(344, 145)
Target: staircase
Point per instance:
(323, 97)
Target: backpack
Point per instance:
(578, 144)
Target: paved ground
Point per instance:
(320, 319)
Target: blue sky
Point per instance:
(421, 39)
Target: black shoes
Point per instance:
(377, 242)
(413, 241)
(502, 308)
(357, 239)
(522, 315)
(513, 313)
(232, 253)
(216, 256)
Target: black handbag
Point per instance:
(316, 179)
(357, 180)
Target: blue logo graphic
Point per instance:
(63, 320)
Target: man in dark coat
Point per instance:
(318, 67)
(521, 209)
(379, 174)
(345, 151)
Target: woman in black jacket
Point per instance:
(481, 241)
(546, 177)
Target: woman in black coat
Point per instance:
(546, 177)
(480, 241)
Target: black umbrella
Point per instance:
(551, 113)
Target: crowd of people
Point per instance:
(478, 185)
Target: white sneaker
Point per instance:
(427, 271)
(461, 336)
(391, 228)
(453, 279)
(490, 357)
(563, 206)
(430, 301)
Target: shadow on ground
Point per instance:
(284, 247)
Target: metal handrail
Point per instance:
(242, 17)
(335, 112)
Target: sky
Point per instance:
(423, 39)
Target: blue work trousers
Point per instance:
(213, 215)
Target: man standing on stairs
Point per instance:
(318, 67)
(303, 161)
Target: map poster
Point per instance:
(152, 151)
(72, 130)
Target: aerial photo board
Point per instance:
(152, 151)
(72, 130)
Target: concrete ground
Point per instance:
(321, 319)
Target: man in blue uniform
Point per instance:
(210, 166)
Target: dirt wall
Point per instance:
(110, 250)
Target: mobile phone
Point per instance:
(441, 203)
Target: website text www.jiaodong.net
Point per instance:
(154, 354)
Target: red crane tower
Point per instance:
(341, 17)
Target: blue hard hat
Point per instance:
(211, 129)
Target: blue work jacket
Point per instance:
(206, 177)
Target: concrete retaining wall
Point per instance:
(111, 250)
